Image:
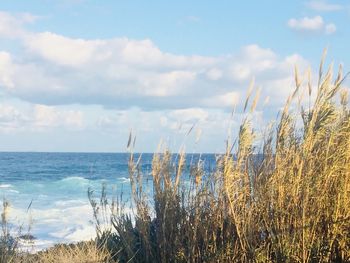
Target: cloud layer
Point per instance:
(51, 84)
(38, 118)
(52, 69)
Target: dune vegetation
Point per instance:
(283, 196)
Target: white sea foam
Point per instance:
(59, 212)
(124, 179)
(57, 208)
(5, 185)
(66, 222)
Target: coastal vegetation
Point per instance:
(283, 196)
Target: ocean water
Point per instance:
(48, 191)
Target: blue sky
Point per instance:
(77, 75)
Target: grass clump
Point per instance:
(84, 252)
(8, 243)
(287, 201)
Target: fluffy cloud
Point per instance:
(312, 24)
(9, 25)
(48, 117)
(10, 118)
(120, 73)
(6, 73)
(38, 118)
(61, 50)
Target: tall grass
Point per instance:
(8, 243)
(288, 201)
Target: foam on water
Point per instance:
(124, 179)
(62, 221)
(5, 185)
(48, 191)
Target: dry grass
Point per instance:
(288, 202)
(85, 252)
(8, 244)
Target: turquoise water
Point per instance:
(54, 186)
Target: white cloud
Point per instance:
(10, 118)
(167, 84)
(52, 69)
(189, 115)
(311, 25)
(227, 100)
(11, 26)
(214, 74)
(323, 6)
(35, 117)
(255, 52)
(6, 72)
(252, 60)
(61, 50)
(48, 117)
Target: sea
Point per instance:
(48, 192)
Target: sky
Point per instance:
(78, 75)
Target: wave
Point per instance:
(74, 183)
(5, 185)
(62, 222)
(124, 179)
